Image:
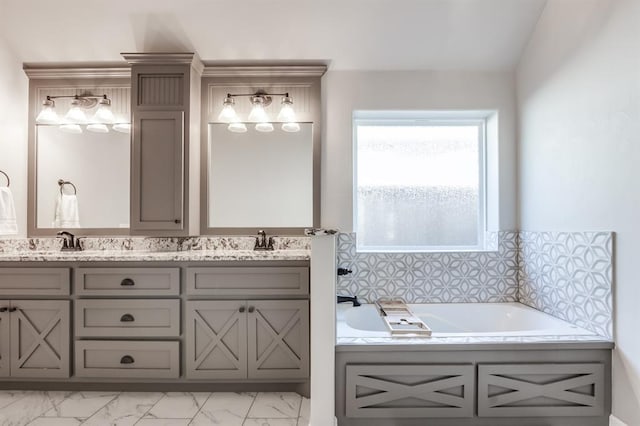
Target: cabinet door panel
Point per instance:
(4, 338)
(278, 339)
(40, 338)
(216, 340)
(157, 193)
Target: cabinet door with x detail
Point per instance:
(278, 339)
(39, 338)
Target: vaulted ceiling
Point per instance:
(346, 34)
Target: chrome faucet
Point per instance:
(70, 243)
(262, 243)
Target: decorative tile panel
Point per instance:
(431, 277)
(569, 275)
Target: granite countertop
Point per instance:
(151, 256)
(141, 249)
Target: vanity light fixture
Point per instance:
(259, 101)
(76, 115)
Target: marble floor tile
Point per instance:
(81, 404)
(26, 409)
(276, 405)
(163, 422)
(270, 422)
(9, 397)
(305, 412)
(55, 421)
(125, 409)
(224, 408)
(178, 405)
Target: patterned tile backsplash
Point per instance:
(431, 277)
(569, 275)
(566, 274)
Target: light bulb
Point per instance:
(291, 127)
(228, 113)
(104, 114)
(287, 114)
(71, 128)
(237, 127)
(264, 127)
(76, 114)
(122, 127)
(98, 128)
(48, 114)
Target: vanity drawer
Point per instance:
(248, 281)
(127, 318)
(34, 281)
(127, 281)
(127, 359)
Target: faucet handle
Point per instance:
(78, 246)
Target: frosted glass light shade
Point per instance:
(71, 128)
(228, 114)
(264, 127)
(237, 127)
(258, 114)
(291, 127)
(48, 115)
(76, 114)
(287, 114)
(122, 127)
(104, 115)
(98, 128)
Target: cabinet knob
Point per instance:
(177, 221)
(127, 282)
(127, 359)
(4, 309)
(127, 318)
(242, 309)
(251, 309)
(13, 309)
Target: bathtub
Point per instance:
(458, 320)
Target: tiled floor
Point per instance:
(19, 408)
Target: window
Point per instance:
(420, 181)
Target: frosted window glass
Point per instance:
(418, 186)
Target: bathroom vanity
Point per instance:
(230, 319)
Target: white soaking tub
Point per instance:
(459, 320)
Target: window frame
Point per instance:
(430, 118)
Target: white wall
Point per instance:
(579, 150)
(13, 129)
(346, 91)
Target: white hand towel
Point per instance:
(8, 224)
(67, 213)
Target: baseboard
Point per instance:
(614, 421)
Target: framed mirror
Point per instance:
(260, 174)
(79, 171)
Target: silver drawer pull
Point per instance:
(127, 318)
(127, 359)
(127, 282)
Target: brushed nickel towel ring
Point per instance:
(7, 176)
(63, 182)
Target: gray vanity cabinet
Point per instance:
(38, 338)
(253, 339)
(165, 98)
